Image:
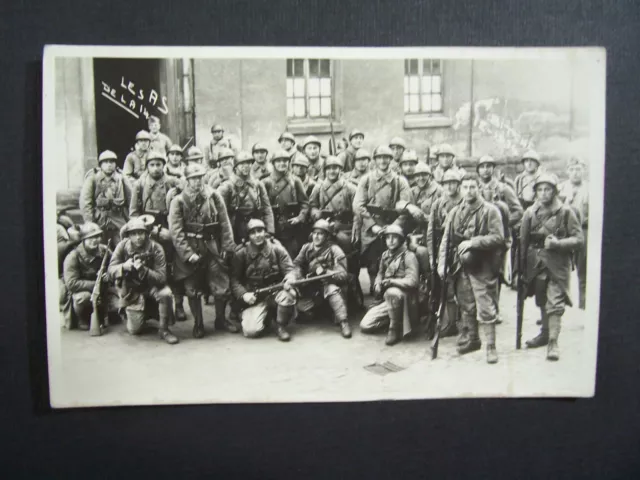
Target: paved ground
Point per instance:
(317, 365)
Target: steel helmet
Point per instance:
(217, 128)
(135, 225)
(445, 149)
(88, 230)
(546, 178)
(408, 156)
(194, 153)
(531, 155)
(143, 135)
(225, 153)
(322, 224)
(362, 153)
(394, 230)
(451, 176)
(156, 155)
(243, 157)
(107, 156)
(286, 136)
(300, 160)
(422, 168)
(355, 132)
(485, 159)
(311, 139)
(281, 154)
(259, 147)
(194, 170)
(381, 151)
(332, 161)
(175, 148)
(397, 142)
(255, 223)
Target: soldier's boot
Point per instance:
(195, 305)
(553, 352)
(181, 316)
(222, 322)
(474, 344)
(463, 328)
(283, 318)
(394, 335)
(542, 338)
(337, 304)
(490, 336)
(163, 331)
(450, 328)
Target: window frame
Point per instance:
(421, 119)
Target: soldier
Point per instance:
(300, 168)
(261, 168)
(311, 149)
(258, 263)
(397, 146)
(407, 165)
(226, 162)
(450, 198)
(396, 287)
(245, 198)
(217, 142)
(550, 234)
(194, 157)
(288, 200)
(203, 239)
(287, 143)
(526, 180)
(105, 197)
(80, 270)
(472, 245)
(175, 166)
(425, 193)
(445, 157)
(158, 140)
(575, 193)
(347, 156)
(139, 270)
(318, 257)
(360, 166)
(135, 161)
(382, 189)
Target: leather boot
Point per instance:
(283, 318)
(543, 337)
(463, 328)
(490, 336)
(195, 305)
(553, 352)
(450, 329)
(337, 304)
(222, 322)
(163, 331)
(474, 343)
(394, 335)
(181, 316)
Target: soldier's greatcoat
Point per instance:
(149, 194)
(105, 200)
(435, 228)
(134, 165)
(246, 199)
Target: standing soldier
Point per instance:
(203, 240)
(450, 198)
(575, 193)
(136, 160)
(550, 233)
(287, 143)
(139, 270)
(80, 270)
(158, 140)
(526, 180)
(375, 202)
(217, 142)
(226, 161)
(397, 146)
(245, 198)
(105, 197)
(445, 158)
(407, 166)
(396, 285)
(261, 168)
(288, 200)
(472, 245)
(347, 156)
(174, 167)
(360, 166)
(300, 169)
(258, 263)
(311, 149)
(319, 257)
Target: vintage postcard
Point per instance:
(321, 224)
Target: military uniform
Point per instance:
(438, 172)
(347, 156)
(175, 172)
(525, 181)
(424, 199)
(134, 165)
(160, 142)
(260, 171)
(354, 176)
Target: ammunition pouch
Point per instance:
(287, 211)
(536, 240)
(203, 231)
(109, 204)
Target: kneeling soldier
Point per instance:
(320, 257)
(258, 263)
(397, 284)
(80, 269)
(139, 270)
(550, 233)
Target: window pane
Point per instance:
(406, 103)
(406, 84)
(426, 66)
(289, 67)
(406, 68)
(289, 87)
(314, 107)
(325, 87)
(426, 103)
(436, 102)
(314, 87)
(313, 68)
(299, 110)
(290, 110)
(414, 103)
(414, 85)
(436, 83)
(413, 66)
(325, 107)
(298, 70)
(435, 66)
(325, 68)
(426, 84)
(298, 87)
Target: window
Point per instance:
(422, 86)
(309, 88)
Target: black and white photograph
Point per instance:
(262, 224)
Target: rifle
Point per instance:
(332, 141)
(443, 298)
(279, 286)
(433, 298)
(388, 215)
(521, 286)
(341, 216)
(95, 329)
(187, 144)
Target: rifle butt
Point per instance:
(435, 344)
(94, 326)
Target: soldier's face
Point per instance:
(217, 134)
(154, 127)
(332, 173)
(469, 190)
(393, 241)
(408, 168)
(108, 167)
(422, 179)
(195, 183)
(260, 156)
(451, 188)
(357, 141)
(382, 162)
(300, 171)
(244, 169)
(281, 165)
(485, 171)
(545, 193)
(361, 164)
(174, 159)
(445, 160)
(137, 238)
(143, 145)
(312, 151)
(530, 165)
(227, 165)
(397, 152)
(318, 237)
(257, 236)
(91, 244)
(576, 173)
(154, 167)
(286, 144)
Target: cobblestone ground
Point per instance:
(317, 365)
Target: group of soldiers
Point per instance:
(275, 236)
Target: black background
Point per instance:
(589, 438)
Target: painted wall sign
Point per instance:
(134, 100)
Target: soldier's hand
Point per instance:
(137, 264)
(413, 210)
(293, 221)
(464, 246)
(385, 283)
(249, 298)
(287, 285)
(194, 258)
(377, 289)
(128, 265)
(319, 270)
(550, 242)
